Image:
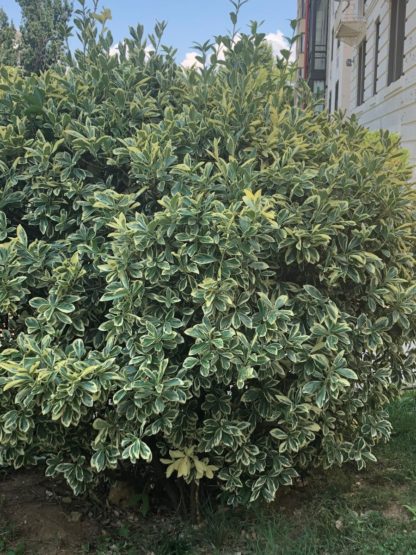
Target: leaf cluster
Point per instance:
(196, 262)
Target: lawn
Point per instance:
(340, 512)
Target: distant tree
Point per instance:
(8, 50)
(44, 32)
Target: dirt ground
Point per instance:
(40, 516)
(45, 514)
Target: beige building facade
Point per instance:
(339, 65)
(371, 63)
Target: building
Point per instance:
(370, 61)
(300, 31)
(339, 65)
(312, 47)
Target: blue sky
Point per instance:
(188, 20)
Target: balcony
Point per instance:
(350, 22)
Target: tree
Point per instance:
(8, 46)
(44, 32)
(199, 273)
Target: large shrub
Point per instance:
(197, 267)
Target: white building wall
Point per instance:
(300, 30)
(393, 107)
(337, 66)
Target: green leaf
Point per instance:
(312, 387)
(21, 235)
(277, 433)
(79, 348)
(204, 259)
(67, 308)
(314, 293)
(321, 396)
(98, 461)
(347, 373)
(281, 301)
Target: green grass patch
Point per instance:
(341, 512)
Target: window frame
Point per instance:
(302, 9)
(336, 101)
(376, 54)
(397, 40)
(302, 43)
(361, 55)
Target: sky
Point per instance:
(190, 20)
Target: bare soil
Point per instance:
(33, 509)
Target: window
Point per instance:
(302, 9)
(318, 88)
(336, 95)
(317, 46)
(376, 54)
(302, 43)
(321, 32)
(361, 73)
(332, 45)
(397, 37)
(330, 102)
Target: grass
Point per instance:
(9, 543)
(348, 512)
(340, 512)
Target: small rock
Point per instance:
(339, 524)
(121, 494)
(74, 516)
(66, 500)
(48, 493)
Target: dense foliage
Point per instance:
(197, 270)
(8, 51)
(42, 37)
(44, 32)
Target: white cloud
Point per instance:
(278, 42)
(220, 51)
(115, 51)
(191, 61)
